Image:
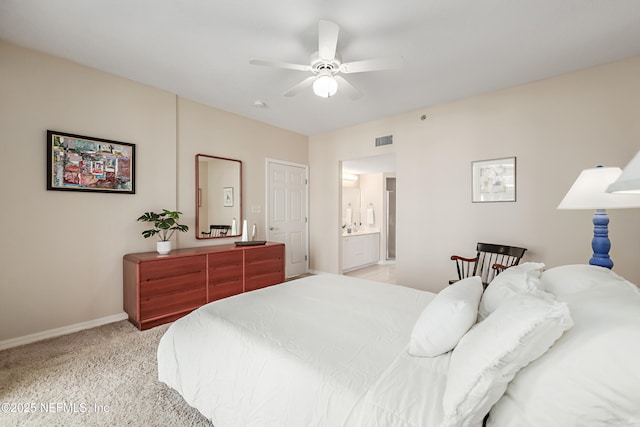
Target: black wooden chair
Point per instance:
(217, 231)
(490, 260)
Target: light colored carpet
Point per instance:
(105, 376)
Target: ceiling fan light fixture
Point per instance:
(327, 67)
(325, 86)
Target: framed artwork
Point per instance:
(84, 163)
(228, 196)
(494, 180)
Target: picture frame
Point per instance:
(493, 180)
(84, 163)
(228, 197)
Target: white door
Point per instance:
(287, 213)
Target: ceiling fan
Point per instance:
(326, 66)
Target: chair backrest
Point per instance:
(489, 254)
(219, 230)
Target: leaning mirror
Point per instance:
(218, 197)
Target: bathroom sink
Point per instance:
(359, 232)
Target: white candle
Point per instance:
(245, 231)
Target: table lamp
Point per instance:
(589, 191)
(629, 181)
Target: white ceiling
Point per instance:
(200, 49)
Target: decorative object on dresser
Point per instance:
(589, 192)
(166, 224)
(245, 231)
(251, 243)
(83, 163)
(161, 289)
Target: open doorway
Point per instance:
(368, 228)
(390, 191)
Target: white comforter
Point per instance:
(325, 350)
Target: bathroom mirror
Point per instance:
(218, 197)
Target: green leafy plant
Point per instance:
(165, 223)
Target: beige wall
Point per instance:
(61, 252)
(61, 256)
(555, 128)
(205, 130)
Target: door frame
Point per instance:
(267, 181)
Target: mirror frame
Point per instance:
(239, 221)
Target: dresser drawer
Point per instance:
(171, 276)
(165, 305)
(166, 268)
(172, 285)
(264, 267)
(226, 276)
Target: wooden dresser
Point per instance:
(162, 288)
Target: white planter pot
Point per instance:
(163, 247)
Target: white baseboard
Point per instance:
(27, 339)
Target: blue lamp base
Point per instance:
(601, 243)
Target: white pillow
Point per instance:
(519, 279)
(492, 352)
(569, 279)
(591, 376)
(446, 319)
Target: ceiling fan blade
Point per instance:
(377, 64)
(347, 88)
(279, 64)
(327, 40)
(300, 86)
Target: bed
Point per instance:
(331, 350)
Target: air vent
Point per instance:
(384, 140)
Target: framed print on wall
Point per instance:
(84, 163)
(228, 196)
(494, 180)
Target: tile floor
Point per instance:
(379, 272)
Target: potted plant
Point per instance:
(165, 225)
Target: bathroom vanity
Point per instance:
(360, 249)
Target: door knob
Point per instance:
(273, 228)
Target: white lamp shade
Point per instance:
(325, 86)
(589, 191)
(629, 181)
